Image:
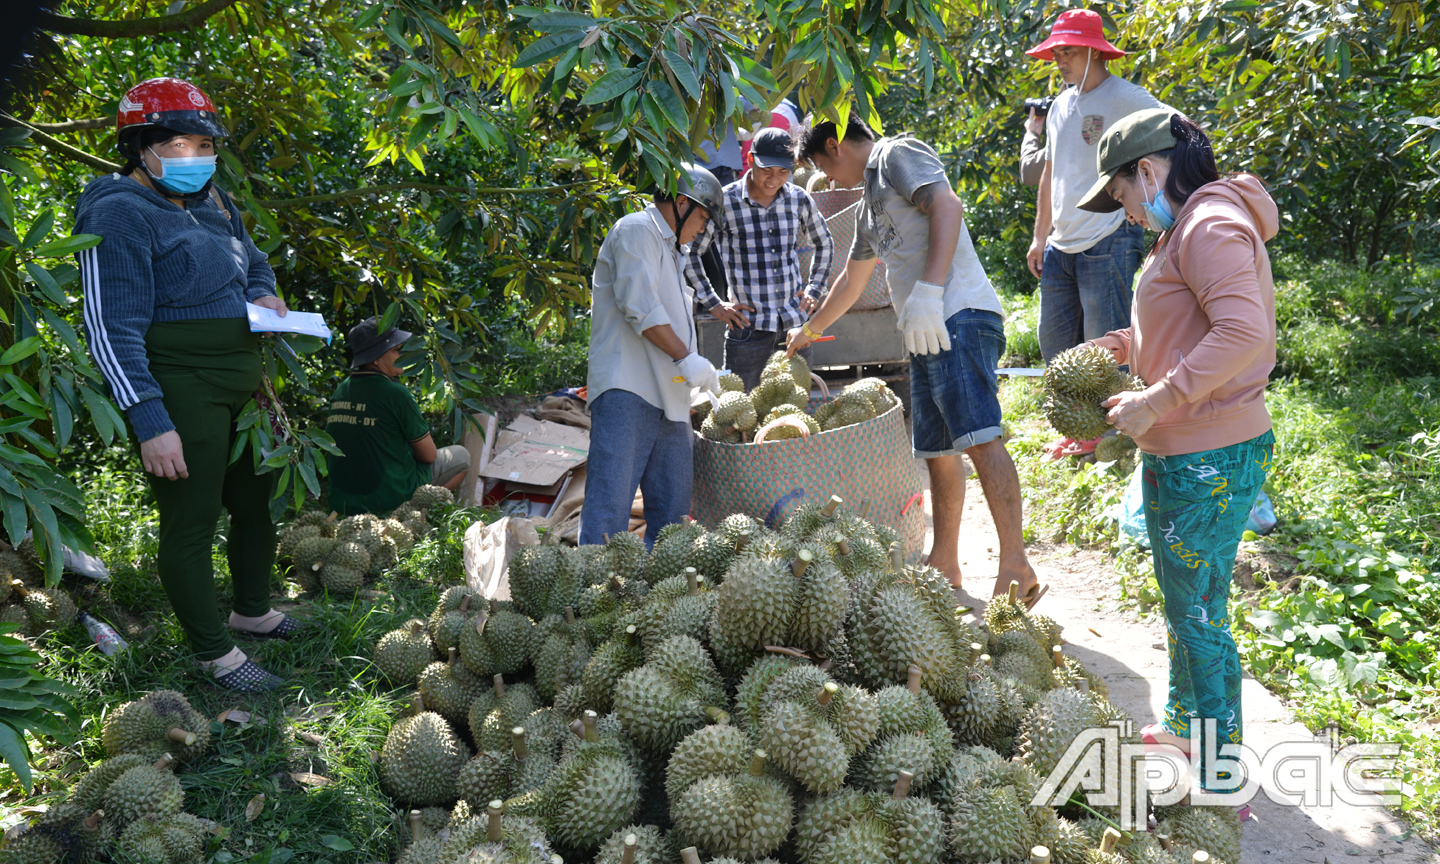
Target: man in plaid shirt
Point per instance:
(766, 219)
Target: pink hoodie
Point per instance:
(1203, 323)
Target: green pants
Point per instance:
(1196, 506)
(207, 370)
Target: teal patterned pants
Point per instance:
(1195, 511)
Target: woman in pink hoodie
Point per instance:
(1203, 339)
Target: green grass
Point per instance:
(1355, 399)
(330, 691)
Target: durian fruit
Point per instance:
(1074, 416)
(721, 799)
(308, 558)
(1051, 725)
(987, 709)
(401, 536)
(1016, 655)
(18, 565)
(795, 368)
(847, 409)
(1144, 848)
(678, 606)
(731, 383)
(1076, 382)
(144, 792)
(57, 841)
(496, 712)
(774, 391)
(850, 825)
(991, 817)
(1114, 448)
(403, 653)
(499, 641)
(545, 579)
(800, 604)
(421, 759)
(449, 687)
(160, 722)
(900, 619)
(562, 648)
(429, 497)
(178, 839)
(812, 727)
(14, 613)
(605, 667)
(46, 609)
(1213, 829)
(422, 845)
(879, 394)
(89, 793)
(670, 696)
(451, 617)
(735, 413)
(966, 764)
(912, 735)
(672, 550)
(497, 837)
(593, 791)
(713, 431)
(638, 844)
(515, 770)
(624, 555)
(344, 568)
(292, 537)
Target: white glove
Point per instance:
(698, 372)
(923, 320)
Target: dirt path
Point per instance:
(1129, 654)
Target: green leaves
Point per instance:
(612, 85)
(546, 48)
(29, 703)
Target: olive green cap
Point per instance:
(1136, 135)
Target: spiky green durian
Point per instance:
(1144, 848)
(991, 817)
(89, 794)
(678, 606)
(672, 550)
(624, 556)
(562, 648)
(452, 615)
(849, 826)
(520, 767)
(711, 555)
(497, 711)
(713, 431)
(344, 568)
(403, 653)
(1114, 448)
(448, 688)
(812, 726)
(735, 412)
(899, 620)
(497, 642)
(293, 537)
(671, 695)
(144, 792)
(911, 736)
(307, 558)
(428, 497)
(178, 839)
(47, 844)
(545, 579)
(1214, 829)
(46, 609)
(1075, 417)
(651, 846)
(1051, 725)
(421, 760)
(160, 722)
(605, 667)
(510, 839)
(1085, 371)
(733, 812)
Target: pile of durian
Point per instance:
(1077, 381)
(745, 695)
(130, 807)
(784, 391)
(25, 600)
(341, 556)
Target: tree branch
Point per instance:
(306, 200)
(59, 147)
(132, 27)
(73, 125)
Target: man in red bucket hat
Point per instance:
(1085, 261)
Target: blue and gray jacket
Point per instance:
(157, 262)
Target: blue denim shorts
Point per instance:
(954, 395)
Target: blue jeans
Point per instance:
(954, 396)
(746, 351)
(1084, 295)
(633, 446)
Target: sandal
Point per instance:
(286, 629)
(248, 677)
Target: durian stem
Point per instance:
(1014, 592)
(1200, 857)
(630, 632)
(718, 716)
(19, 588)
(1083, 685)
(902, 785)
(569, 614)
(1108, 841)
(692, 581)
(1039, 855)
(985, 658)
(494, 831)
(493, 606)
(864, 511)
(419, 703)
(182, 735)
(628, 855)
(416, 628)
(93, 820)
(1165, 842)
(578, 728)
(976, 649)
(450, 660)
(415, 826)
(592, 731)
(164, 761)
(742, 541)
(499, 686)
(556, 859)
(615, 583)
(897, 557)
(843, 546)
(801, 563)
(826, 666)
(517, 738)
(912, 681)
(827, 693)
(690, 855)
(788, 652)
(757, 762)
(604, 538)
(465, 602)
(1058, 655)
(831, 506)
(480, 622)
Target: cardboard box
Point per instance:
(542, 456)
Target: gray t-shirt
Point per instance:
(1072, 131)
(893, 228)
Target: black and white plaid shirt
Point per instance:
(759, 251)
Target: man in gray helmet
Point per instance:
(643, 363)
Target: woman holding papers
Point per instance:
(165, 294)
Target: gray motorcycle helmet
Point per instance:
(700, 186)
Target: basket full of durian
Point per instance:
(765, 452)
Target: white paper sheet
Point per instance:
(263, 320)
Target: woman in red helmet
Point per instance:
(165, 294)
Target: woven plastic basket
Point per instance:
(841, 207)
(766, 481)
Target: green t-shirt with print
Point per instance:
(373, 420)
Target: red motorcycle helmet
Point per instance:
(170, 103)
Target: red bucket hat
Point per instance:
(1079, 28)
